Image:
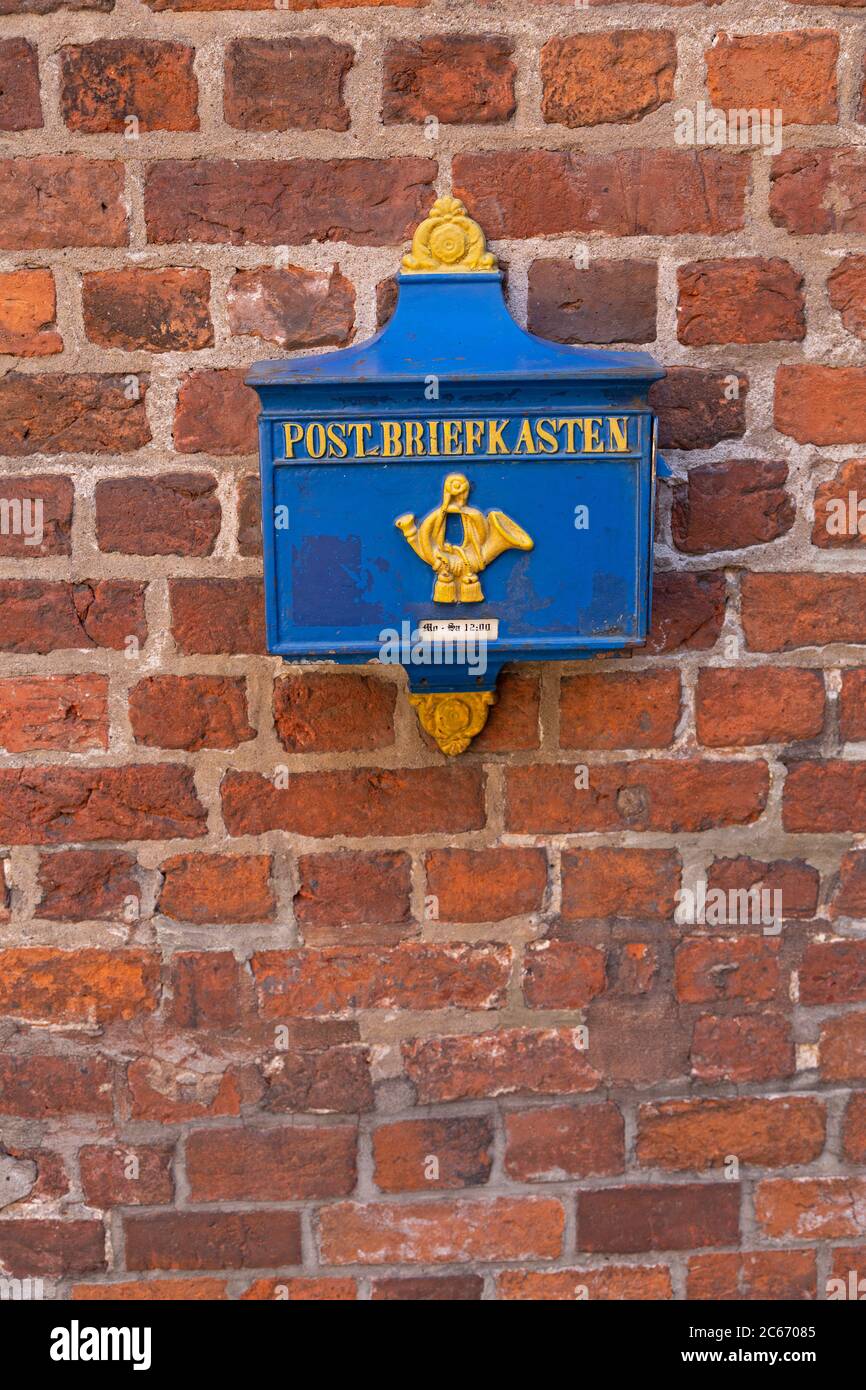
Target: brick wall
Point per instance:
(287, 1002)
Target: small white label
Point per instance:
(459, 629)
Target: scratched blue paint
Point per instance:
(338, 572)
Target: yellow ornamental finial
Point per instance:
(448, 240)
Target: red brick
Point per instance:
(249, 515)
(84, 986)
(632, 1219)
(461, 79)
(700, 1134)
(162, 310)
(20, 106)
(59, 413)
(796, 881)
(688, 611)
(846, 1260)
(44, 616)
(210, 617)
(335, 1080)
(619, 883)
(562, 974)
(514, 1061)
(152, 1291)
(286, 84)
(854, 1129)
(843, 1048)
(738, 708)
(514, 726)
(64, 712)
(352, 898)
(742, 1047)
(662, 795)
(170, 514)
(450, 1288)
(27, 310)
(792, 71)
(819, 190)
(29, 1249)
(783, 611)
(293, 5)
(42, 1087)
(86, 884)
(51, 198)
(846, 286)
(623, 75)
(213, 1240)
(270, 1165)
(34, 504)
(822, 797)
(367, 202)
(126, 1176)
(812, 1208)
(103, 83)
(708, 969)
(821, 405)
(334, 713)
(293, 307)
(839, 520)
(849, 900)
(614, 1022)
(407, 801)
(216, 413)
(508, 1228)
(731, 504)
(699, 407)
(206, 989)
(217, 888)
(604, 1283)
(191, 712)
(565, 1142)
(632, 968)
(777, 1275)
(486, 885)
(833, 972)
(299, 1290)
(55, 805)
(632, 192)
(197, 1088)
(620, 709)
(412, 975)
(461, 1148)
(608, 301)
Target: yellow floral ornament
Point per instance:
(448, 240)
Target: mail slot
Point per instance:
(455, 493)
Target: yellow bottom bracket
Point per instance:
(454, 717)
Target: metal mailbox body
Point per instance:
(556, 444)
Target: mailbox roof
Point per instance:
(456, 326)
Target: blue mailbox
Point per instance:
(456, 493)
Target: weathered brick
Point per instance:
(85, 986)
(293, 307)
(565, 1142)
(736, 708)
(777, 1275)
(449, 1288)
(699, 1134)
(270, 1165)
(325, 713)
(843, 1048)
(849, 900)
(562, 974)
(336, 1080)
(206, 989)
(411, 975)
(152, 1291)
(170, 514)
(854, 1129)
(43, 1087)
(612, 1024)
(460, 1148)
(53, 805)
(710, 968)
(635, 192)
(162, 310)
(130, 1175)
(507, 1228)
(27, 310)
(826, 1208)
(197, 1088)
(731, 504)
(833, 972)
(632, 1219)
(59, 413)
(250, 515)
(369, 801)
(486, 885)
(461, 79)
(688, 611)
(213, 1240)
(86, 884)
(514, 1061)
(794, 71)
(354, 898)
(663, 795)
(51, 200)
(63, 712)
(216, 413)
(367, 202)
(619, 883)
(601, 1284)
(191, 712)
(742, 1047)
(515, 727)
(822, 797)
(286, 84)
(783, 611)
(103, 83)
(796, 881)
(846, 286)
(217, 888)
(214, 616)
(839, 520)
(819, 190)
(699, 407)
(303, 1290)
(20, 104)
(31, 1248)
(44, 615)
(821, 405)
(609, 301)
(619, 709)
(622, 75)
